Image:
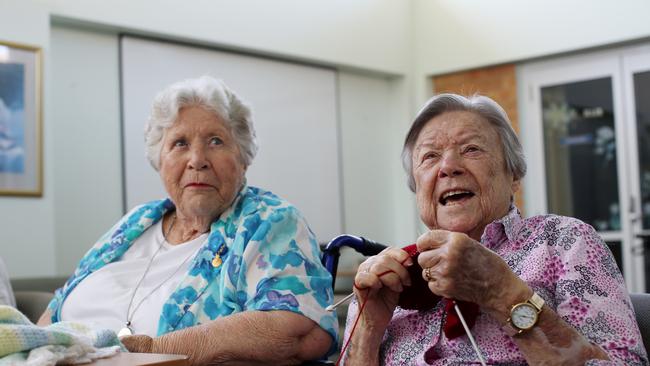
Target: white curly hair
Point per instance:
(205, 92)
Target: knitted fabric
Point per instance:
(23, 343)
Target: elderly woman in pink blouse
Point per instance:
(547, 288)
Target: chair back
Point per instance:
(33, 294)
(641, 304)
(33, 303)
(360, 244)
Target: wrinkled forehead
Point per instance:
(454, 128)
(197, 118)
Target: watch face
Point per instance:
(524, 316)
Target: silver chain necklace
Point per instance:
(127, 330)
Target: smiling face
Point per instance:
(200, 164)
(460, 174)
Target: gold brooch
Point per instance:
(216, 261)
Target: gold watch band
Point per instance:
(537, 302)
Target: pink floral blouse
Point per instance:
(565, 262)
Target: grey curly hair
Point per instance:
(206, 92)
(479, 104)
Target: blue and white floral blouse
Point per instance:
(269, 260)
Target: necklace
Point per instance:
(127, 330)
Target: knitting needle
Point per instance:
(347, 298)
(344, 300)
(469, 335)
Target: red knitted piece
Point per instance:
(419, 297)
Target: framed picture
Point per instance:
(20, 120)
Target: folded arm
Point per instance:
(246, 338)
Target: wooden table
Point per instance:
(133, 359)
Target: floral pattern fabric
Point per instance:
(566, 263)
(270, 261)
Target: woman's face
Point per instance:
(460, 174)
(200, 163)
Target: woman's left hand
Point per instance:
(138, 343)
(458, 267)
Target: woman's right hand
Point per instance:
(378, 283)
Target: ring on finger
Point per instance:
(428, 275)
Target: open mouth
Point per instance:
(455, 196)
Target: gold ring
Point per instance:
(428, 275)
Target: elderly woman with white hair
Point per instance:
(543, 290)
(219, 271)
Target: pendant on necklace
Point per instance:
(126, 331)
(216, 261)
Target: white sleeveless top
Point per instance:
(101, 299)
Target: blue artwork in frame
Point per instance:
(12, 118)
(20, 120)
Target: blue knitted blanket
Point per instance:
(23, 343)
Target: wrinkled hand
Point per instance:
(461, 268)
(379, 282)
(139, 343)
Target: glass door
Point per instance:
(575, 140)
(578, 121)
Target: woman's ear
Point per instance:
(516, 184)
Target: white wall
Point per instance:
(377, 202)
(453, 35)
(367, 34)
(26, 224)
(85, 115)
(375, 184)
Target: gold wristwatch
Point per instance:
(524, 316)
